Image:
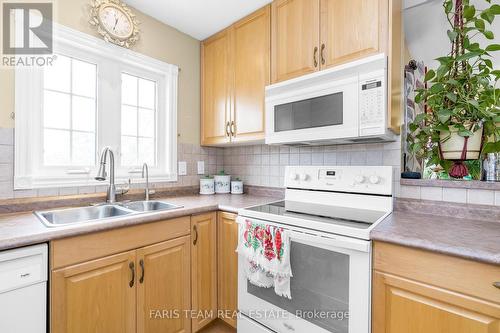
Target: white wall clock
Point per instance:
(115, 22)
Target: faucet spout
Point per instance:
(102, 175)
(145, 173)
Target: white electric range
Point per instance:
(329, 212)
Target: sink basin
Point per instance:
(149, 206)
(71, 216)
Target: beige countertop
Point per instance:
(472, 238)
(21, 229)
(475, 239)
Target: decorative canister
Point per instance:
(207, 185)
(222, 183)
(236, 186)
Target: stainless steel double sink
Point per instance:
(71, 216)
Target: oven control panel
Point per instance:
(356, 179)
(372, 104)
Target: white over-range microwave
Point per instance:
(343, 104)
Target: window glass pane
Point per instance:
(146, 123)
(129, 120)
(56, 147)
(83, 149)
(147, 92)
(129, 89)
(84, 78)
(57, 77)
(83, 114)
(129, 151)
(146, 151)
(56, 110)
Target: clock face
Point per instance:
(116, 21)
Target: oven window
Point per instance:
(320, 283)
(315, 112)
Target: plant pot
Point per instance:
(222, 183)
(452, 145)
(236, 187)
(207, 186)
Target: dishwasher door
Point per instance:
(23, 289)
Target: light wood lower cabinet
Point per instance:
(227, 267)
(163, 284)
(96, 296)
(421, 292)
(203, 269)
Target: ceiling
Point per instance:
(198, 18)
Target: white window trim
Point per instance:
(28, 108)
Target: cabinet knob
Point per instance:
(496, 285)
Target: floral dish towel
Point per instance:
(267, 251)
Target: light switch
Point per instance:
(182, 168)
(201, 167)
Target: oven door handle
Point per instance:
(333, 241)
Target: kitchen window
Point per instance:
(95, 95)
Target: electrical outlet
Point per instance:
(182, 168)
(201, 167)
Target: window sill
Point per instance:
(465, 184)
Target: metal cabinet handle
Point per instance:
(315, 56)
(323, 61)
(496, 285)
(132, 269)
(195, 230)
(227, 129)
(233, 128)
(141, 263)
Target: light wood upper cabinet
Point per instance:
(295, 38)
(215, 89)
(352, 29)
(204, 269)
(422, 292)
(163, 275)
(235, 71)
(227, 229)
(98, 296)
(251, 43)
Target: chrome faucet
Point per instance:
(145, 170)
(101, 174)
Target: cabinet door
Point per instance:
(251, 40)
(294, 38)
(228, 267)
(98, 296)
(203, 269)
(163, 288)
(215, 85)
(352, 29)
(403, 305)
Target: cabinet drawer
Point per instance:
(73, 250)
(23, 267)
(452, 273)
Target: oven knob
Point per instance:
(303, 177)
(374, 179)
(359, 179)
(294, 176)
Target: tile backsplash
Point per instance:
(261, 165)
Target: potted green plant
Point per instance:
(462, 96)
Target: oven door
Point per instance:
(322, 112)
(330, 287)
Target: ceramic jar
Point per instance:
(236, 187)
(207, 186)
(222, 183)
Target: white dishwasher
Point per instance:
(23, 290)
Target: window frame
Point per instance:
(111, 61)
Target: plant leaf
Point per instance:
(486, 15)
(452, 35)
(444, 115)
(493, 47)
(469, 12)
(429, 75)
(452, 97)
(495, 10)
(467, 56)
(478, 23)
(488, 34)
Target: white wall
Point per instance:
(425, 30)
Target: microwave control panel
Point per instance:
(372, 105)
